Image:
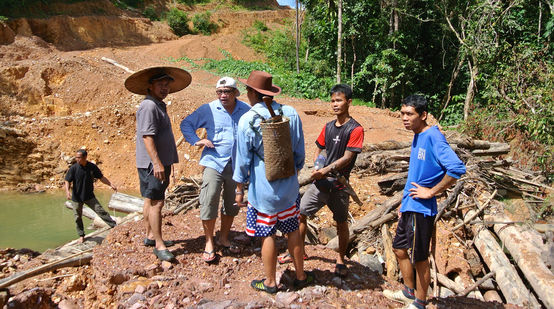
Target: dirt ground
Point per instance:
(54, 100)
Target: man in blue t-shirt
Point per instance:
(434, 167)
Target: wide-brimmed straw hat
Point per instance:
(138, 82)
(262, 82)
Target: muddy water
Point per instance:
(40, 220)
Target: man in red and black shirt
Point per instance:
(342, 140)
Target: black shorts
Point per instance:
(150, 186)
(414, 233)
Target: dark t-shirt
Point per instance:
(336, 140)
(82, 178)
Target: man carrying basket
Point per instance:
(273, 189)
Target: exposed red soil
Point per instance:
(53, 102)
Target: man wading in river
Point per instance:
(156, 150)
(81, 177)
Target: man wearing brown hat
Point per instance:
(272, 205)
(155, 146)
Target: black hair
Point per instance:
(261, 96)
(83, 152)
(416, 101)
(342, 88)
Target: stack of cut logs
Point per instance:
(479, 251)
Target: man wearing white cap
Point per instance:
(220, 119)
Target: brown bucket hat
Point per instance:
(262, 82)
(138, 82)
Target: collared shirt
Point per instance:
(153, 120)
(431, 158)
(221, 129)
(82, 178)
(275, 196)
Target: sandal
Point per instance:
(212, 256)
(164, 255)
(229, 250)
(300, 284)
(259, 285)
(151, 243)
(287, 258)
(341, 270)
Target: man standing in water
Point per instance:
(80, 178)
(155, 146)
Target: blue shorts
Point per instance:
(150, 186)
(264, 225)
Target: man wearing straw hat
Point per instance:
(272, 204)
(155, 146)
(220, 119)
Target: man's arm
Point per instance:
(427, 193)
(239, 195)
(335, 166)
(191, 123)
(67, 188)
(150, 146)
(107, 182)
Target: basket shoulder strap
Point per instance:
(257, 132)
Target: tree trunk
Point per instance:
(508, 280)
(470, 93)
(126, 203)
(339, 41)
(527, 257)
(297, 40)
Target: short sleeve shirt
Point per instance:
(336, 140)
(153, 120)
(82, 178)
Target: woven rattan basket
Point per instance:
(278, 158)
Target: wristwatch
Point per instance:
(239, 192)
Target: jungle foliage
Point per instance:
(486, 62)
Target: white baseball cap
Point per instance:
(227, 81)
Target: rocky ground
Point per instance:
(58, 95)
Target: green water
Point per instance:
(40, 220)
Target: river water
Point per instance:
(40, 221)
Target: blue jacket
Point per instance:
(430, 159)
(221, 130)
(267, 197)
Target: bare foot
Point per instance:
(81, 239)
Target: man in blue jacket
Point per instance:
(434, 167)
(272, 205)
(220, 119)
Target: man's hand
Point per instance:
(113, 187)
(159, 172)
(205, 142)
(318, 174)
(239, 198)
(421, 192)
(68, 195)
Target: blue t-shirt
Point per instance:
(221, 129)
(275, 196)
(430, 159)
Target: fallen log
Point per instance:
(190, 204)
(89, 213)
(77, 259)
(449, 284)
(476, 284)
(126, 203)
(467, 219)
(495, 149)
(366, 221)
(506, 275)
(390, 258)
(527, 257)
(391, 184)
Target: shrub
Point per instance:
(178, 21)
(260, 25)
(150, 13)
(202, 23)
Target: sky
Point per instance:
(291, 3)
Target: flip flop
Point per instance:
(287, 258)
(151, 243)
(229, 250)
(259, 285)
(211, 256)
(341, 270)
(164, 255)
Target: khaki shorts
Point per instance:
(212, 185)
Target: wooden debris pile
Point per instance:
(479, 251)
(184, 196)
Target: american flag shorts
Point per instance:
(263, 225)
